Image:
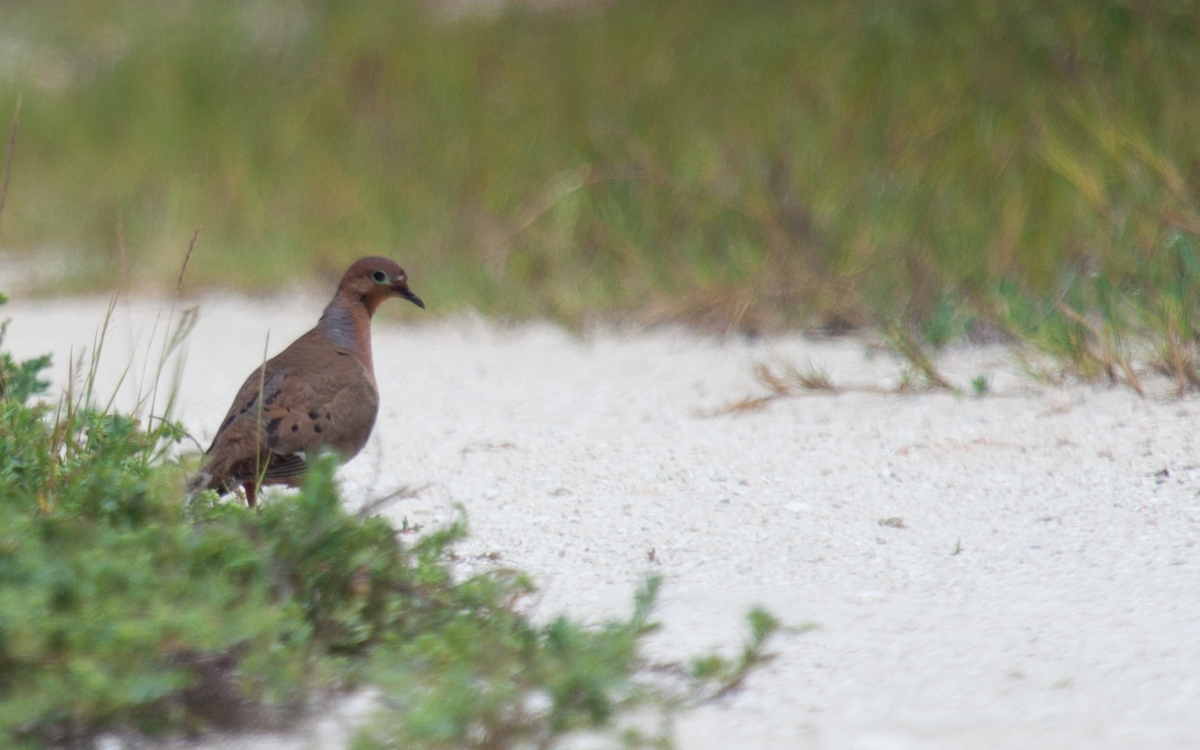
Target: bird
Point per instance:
(317, 394)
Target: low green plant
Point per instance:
(20, 380)
(125, 604)
(516, 684)
(115, 598)
(981, 385)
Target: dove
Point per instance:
(317, 394)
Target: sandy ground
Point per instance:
(1041, 590)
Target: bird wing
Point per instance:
(311, 395)
(333, 407)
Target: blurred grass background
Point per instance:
(957, 167)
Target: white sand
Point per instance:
(1069, 618)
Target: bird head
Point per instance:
(375, 280)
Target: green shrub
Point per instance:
(124, 603)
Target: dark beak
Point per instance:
(406, 293)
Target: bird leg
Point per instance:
(250, 487)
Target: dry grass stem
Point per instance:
(404, 492)
(903, 343)
(260, 466)
(790, 382)
(122, 258)
(186, 258)
(8, 155)
(1111, 354)
(1177, 361)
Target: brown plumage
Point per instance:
(319, 393)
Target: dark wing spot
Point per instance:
(228, 422)
(295, 427)
(317, 429)
(271, 399)
(328, 417)
(313, 415)
(273, 425)
(249, 404)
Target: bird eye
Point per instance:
(380, 277)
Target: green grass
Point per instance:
(941, 168)
(125, 605)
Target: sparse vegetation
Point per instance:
(925, 169)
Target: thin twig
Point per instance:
(404, 493)
(186, 434)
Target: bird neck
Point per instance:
(347, 322)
